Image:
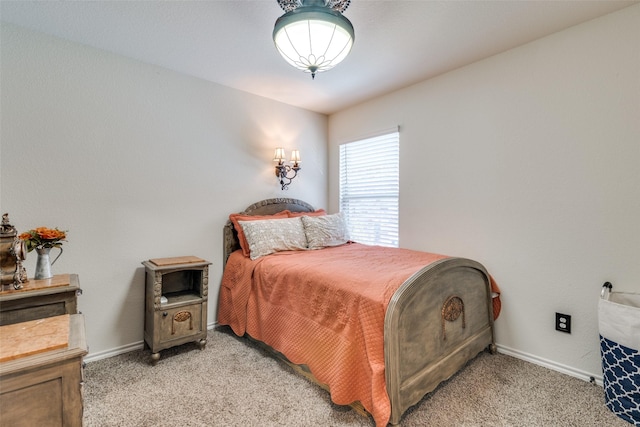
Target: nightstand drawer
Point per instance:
(180, 322)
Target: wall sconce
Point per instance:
(283, 172)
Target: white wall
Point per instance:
(137, 162)
(529, 162)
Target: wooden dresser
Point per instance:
(41, 372)
(39, 299)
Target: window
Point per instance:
(369, 188)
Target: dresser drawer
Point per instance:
(39, 299)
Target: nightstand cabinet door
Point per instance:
(180, 322)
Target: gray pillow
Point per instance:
(324, 231)
(273, 235)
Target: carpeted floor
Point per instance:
(232, 382)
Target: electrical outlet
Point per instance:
(563, 323)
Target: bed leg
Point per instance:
(492, 348)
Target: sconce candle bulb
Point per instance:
(279, 155)
(295, 157)
(284, 171)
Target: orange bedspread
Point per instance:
(325, 309)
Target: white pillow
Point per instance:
(326, 230)
(273, 235)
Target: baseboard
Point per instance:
(549, 364)
(554, 366)
(92, 357)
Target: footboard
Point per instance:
(438, 320)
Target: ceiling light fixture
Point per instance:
(313, 35)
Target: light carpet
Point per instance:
(233, 382)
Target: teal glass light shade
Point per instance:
(313, 38)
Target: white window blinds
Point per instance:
(369, 188)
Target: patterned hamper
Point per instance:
(619, 325)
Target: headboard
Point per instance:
(263, 207)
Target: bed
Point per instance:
(435, 312)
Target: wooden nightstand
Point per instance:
(176, 294)
(39, 299)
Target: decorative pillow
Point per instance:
(319, 212)
(325, 230)
(235, 218)
(268, 236)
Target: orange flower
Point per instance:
(43, 237)
(49, 234)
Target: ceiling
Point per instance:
(229, 42)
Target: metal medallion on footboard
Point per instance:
(438, 320)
